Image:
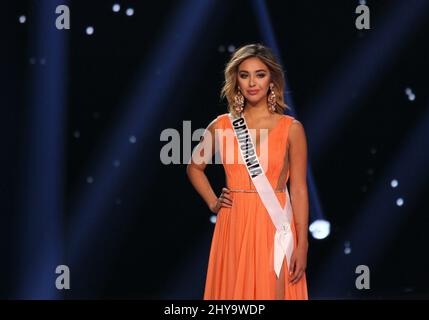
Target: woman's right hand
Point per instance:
(224, 200)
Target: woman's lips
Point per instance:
(252, 92)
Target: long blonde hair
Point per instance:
(230, 87)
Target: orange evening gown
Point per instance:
(241, 262)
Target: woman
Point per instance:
(241, 264)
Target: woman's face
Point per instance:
(253, 79)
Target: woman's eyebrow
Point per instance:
(255, 71)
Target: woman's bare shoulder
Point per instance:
(296, 130)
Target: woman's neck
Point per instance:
(255, 111)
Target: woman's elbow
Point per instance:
(191, 168)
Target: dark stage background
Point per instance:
(82, 114)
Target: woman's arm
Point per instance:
(201, 156)
(299, 195)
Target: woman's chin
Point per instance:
(253, 99)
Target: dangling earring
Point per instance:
(238, 101)
(272, 99)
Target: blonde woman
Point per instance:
(242, 262)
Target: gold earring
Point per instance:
(238, 101)
(272, 100)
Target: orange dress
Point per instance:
(241, 261)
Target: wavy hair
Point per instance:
(230, 87)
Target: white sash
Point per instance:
(281, 217)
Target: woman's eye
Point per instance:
(260, 75)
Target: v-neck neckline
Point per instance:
(258, 146)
